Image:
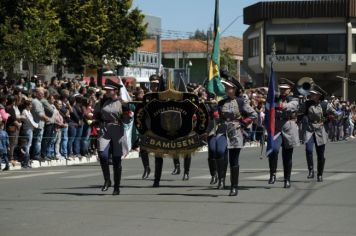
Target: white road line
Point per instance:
(340, 176)
(81, 176)
(32, 175)
(264, 177)
(139, 176)
(205, 176)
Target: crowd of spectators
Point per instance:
(51, 120)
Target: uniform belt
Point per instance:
(228, 119)
(111, 122)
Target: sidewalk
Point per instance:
(92, 159)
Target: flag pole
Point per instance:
(273, 57)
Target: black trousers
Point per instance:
(287, 157)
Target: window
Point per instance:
(292, 44)
(253, 45)
(308, 44)
(353, 43)
(320, 44)
(336, 44)
(280, 44)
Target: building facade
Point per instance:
(312, 38)
(191, 56)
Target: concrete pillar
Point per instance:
(238, 67)
(345, 89)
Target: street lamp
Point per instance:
(187, 70)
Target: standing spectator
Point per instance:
(47, 147)
(53, 87)
(79, 131)
(59, 125)
(26, 133)
(39, 117)
(73, 124)
(64, 111)
(4, 145)
(13, 124)
(88, 120)
(4, 116)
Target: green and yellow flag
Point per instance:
(214, 84)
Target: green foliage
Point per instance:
(30, 30)
(95, 29)
(83, 32)
(203, 35)
(227, 61)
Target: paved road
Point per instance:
(67, 200)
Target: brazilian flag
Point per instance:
(214, 84)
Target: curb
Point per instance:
(92, 159)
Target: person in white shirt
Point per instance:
(28, 124)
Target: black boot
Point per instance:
(7, 167)
(287, 169)
(321, 164)
(272, 161)
(187, 162)
(310, 173)
(176, 163)
(272, 178)
(310, 166)
(117, 179)
(145, 163)
(158, 171)
(212, 169)
(234, 177)
(106, 173)
(146, 172)
(286, 183)
(221, 176)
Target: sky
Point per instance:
(186, 16)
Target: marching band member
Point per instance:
(112, 116)
(288, 138)
(316, 110)
(235, 113)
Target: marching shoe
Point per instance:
(234, 178)
(233, 191)
(221, 184)
(146, 172)
(186, 176)
(106, 185)
(286, 184)
(176, 170)
(320, 178)
(7, 167)
(311, 174)
(214, 179)
(116, 191)
(272, 179)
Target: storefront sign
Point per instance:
(138, 72)
(312, 58)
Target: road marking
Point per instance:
(139, 176)
(340, 176)
(264, 177)
(32, 175)
(206, 176)
(81, 176)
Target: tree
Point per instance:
(202, 35)
(30, 31)
(96, 30)
(227, 61)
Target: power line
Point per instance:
(233, 22)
